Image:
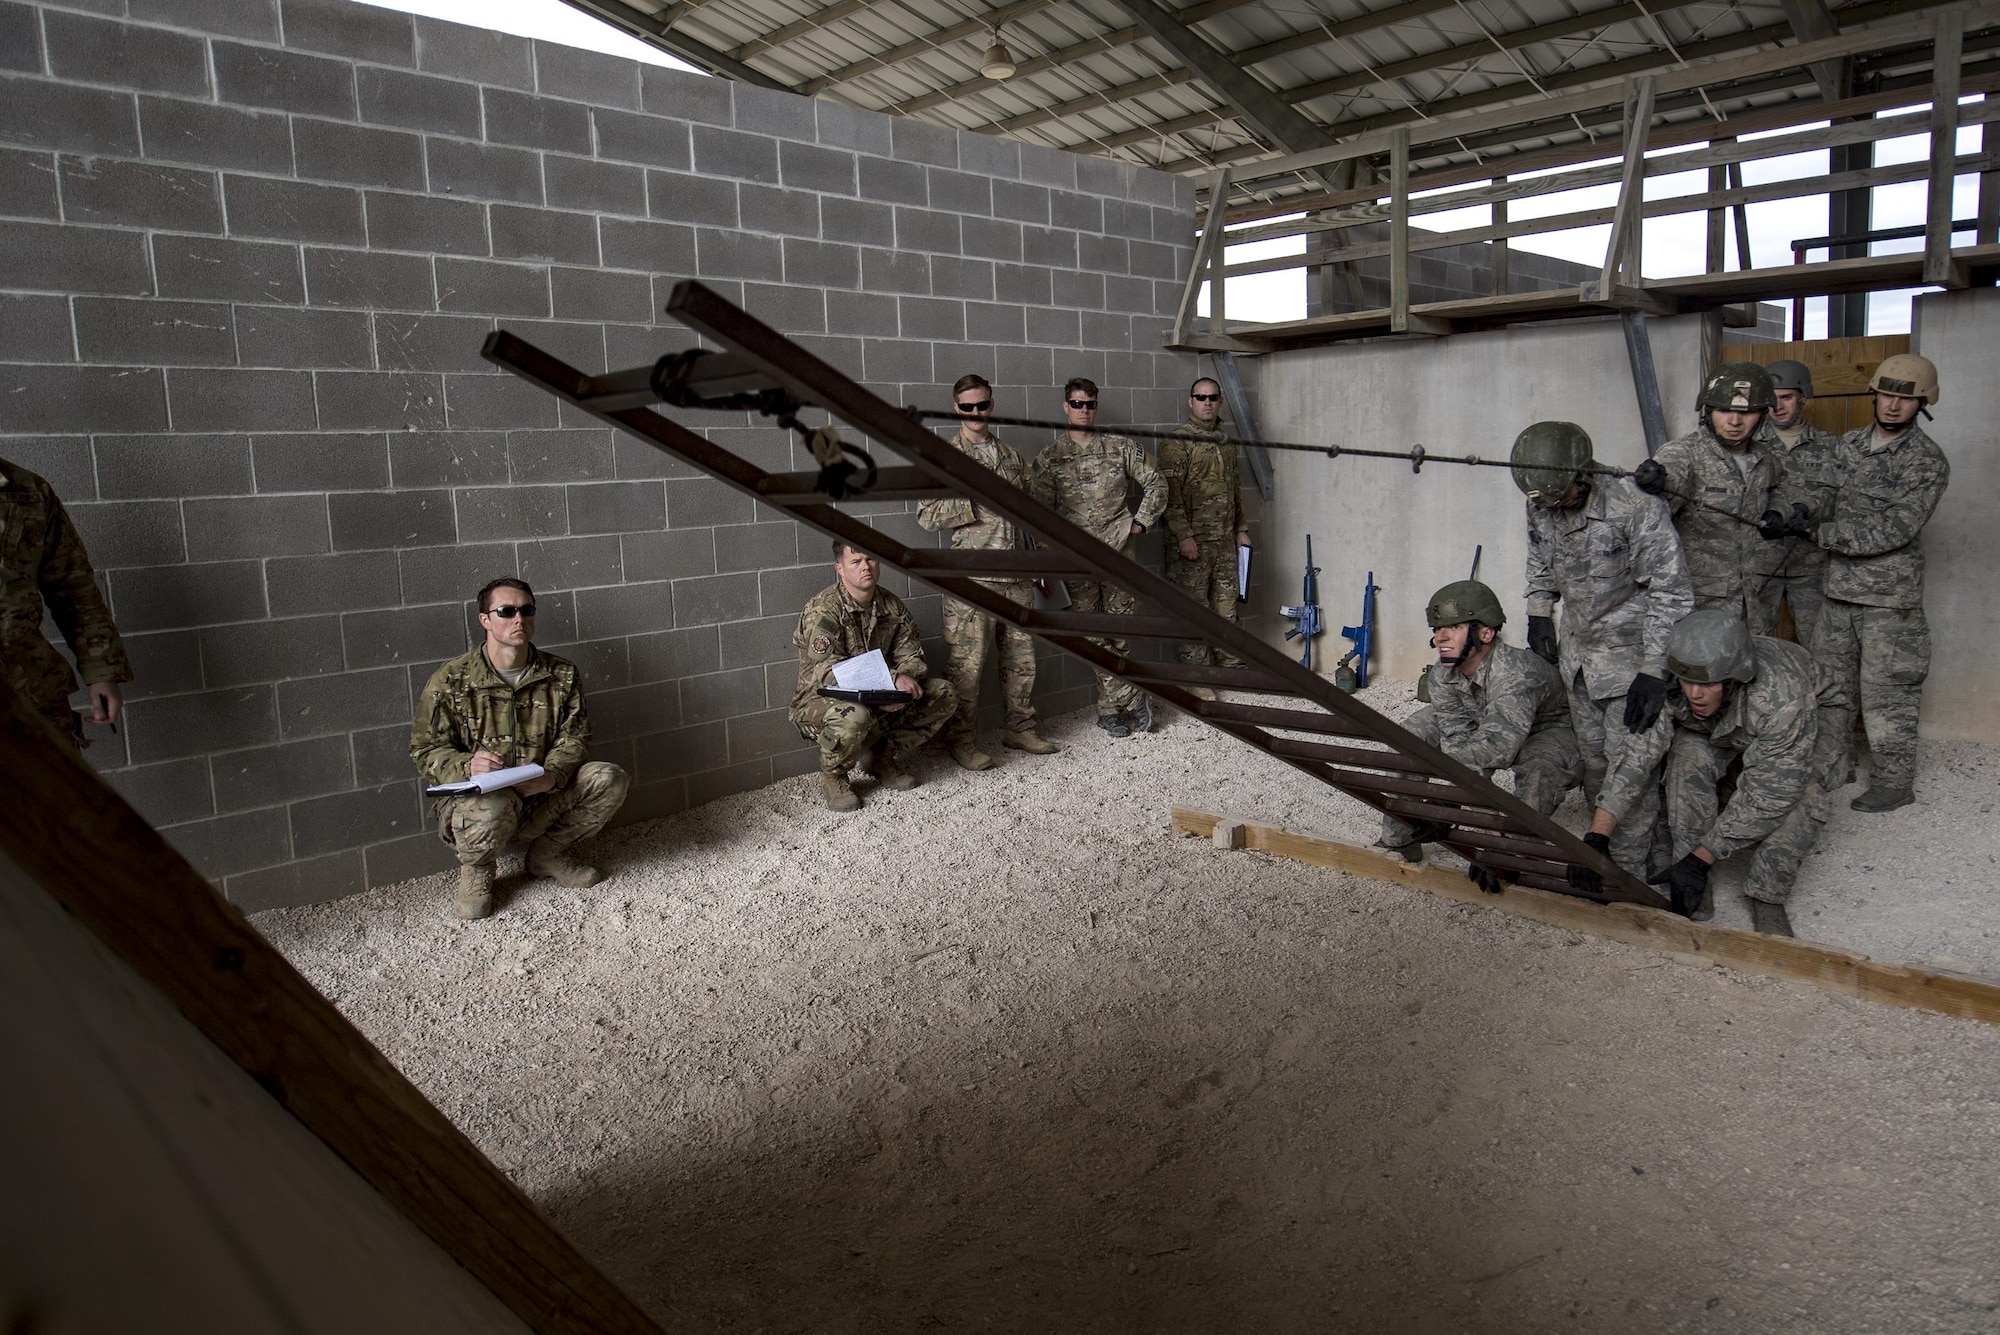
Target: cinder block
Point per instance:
(668, 554)
(925, 317)
(256, 20)
(1125, 219)
(1083, 213)
(561, 456)
(129, 533)
(738, 255)
(282, 336)
(528, 121)
(104, 190)
(169, 793)
(1103, 254)
(716, 783)
(1133, 296)
(793, 310)
(894, 271)
(491, 513)
(543, 234)
(673, 654)
(926, 229)
(417, 101)
(681, 197)
(215, 136)
(919, 141)
(342, 28)
(855, 220)
(1106, 332)
(1075, 288)
(241, 527)
(82, 49)
(381, 755)
(293, 210)
(229, 845)
(571, 563)
(296, 884)
(681, 751)
(594, 294)
(843, 126)
(164, 663)
(263, 651)
(762, 640)
(28, 184)
(256, 76)
(1054, 326)
(20, 39)
(359, 154)
(64, 462)
(783, 592)
(645, 139)
(405, 635)
(617, 507)
(241, 400)
(211, 267)
(769, 111)
(896, 361)
(176, 597)
(636, 458)
(653, 247)
(154, 333)
(624, 609)
(448, 458)
(35, 399)
(35, 329)
(770, 733)
(712, 599)
(484, 171)
(1100, 176)
(1150, 259)
(787, 212)
(617, 714)
(487, 402)
(1027, 284)
(952, 276)
(303, 585)
(453, 574)
(586, 76)
(348, 461)
(474, 53)
(380, 401)
(144, 467)
(431, 342)
(603, 665)
(960, 192)
(1030, 366)
(755, 546)
(1051, 246)
(406, 859)
(323, 825)
(602, 187)
(862, 313)
(365, 520)
(748, 157)
(492, 288)
(317, 706)
(578, 343)
(808, 167)
(36, 113)
(701, 502)
(995, 324)
(722, 695)
(1021, 202)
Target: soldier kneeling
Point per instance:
(1493, 707)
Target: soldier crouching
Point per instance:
(506, 704)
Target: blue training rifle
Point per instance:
(1355, 677)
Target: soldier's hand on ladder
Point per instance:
(1587, 879)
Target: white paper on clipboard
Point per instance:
(1242, 574)
(864, 672)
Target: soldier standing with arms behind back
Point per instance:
(1086, 476)
(1793, 570)
(967, 630)
(1204, 517)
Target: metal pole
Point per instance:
(1639, 352)
(1256, 456)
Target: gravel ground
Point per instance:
(1003, 1053)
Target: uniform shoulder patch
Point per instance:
(820, 644)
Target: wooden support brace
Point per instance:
(1399, 231)
(1825, 967)
(1206, 264)
(1622, 252)
(1945, 57)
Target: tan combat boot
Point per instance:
(889, 771)
(838, 792)
(475, 890)
(969, 756)
(1028, 741)
(544, 859)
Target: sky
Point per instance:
(549, 20)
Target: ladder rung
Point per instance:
(1110, 625)
(1500, 843)
(1196, 674)
(1003, 564)
(1347, 755)
(1410, 809)
(1298, 720)
(900, 483)
(1442, 793)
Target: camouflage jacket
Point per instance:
(1615, 564)
(467, 706)
(833, 627)
(1484, 719)
(973, 528)
(42, 559)
(1871, 521)
(1088, 483)
(1772, 723)
(1720, 552)
(1203, 502)
(1811, 475)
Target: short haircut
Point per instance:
(965, 382)
(1205, 380)
(841, 547)
(504, 582)
(1083, 383)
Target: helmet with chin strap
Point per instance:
(1548, 458)
(1710, 645)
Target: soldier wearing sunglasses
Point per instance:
(505, 704)
(1088, 476)
(1204, 517)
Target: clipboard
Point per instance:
(867, 697)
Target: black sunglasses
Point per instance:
(984, 405)
(1082, 404)
(508, 611)
(1206, 398)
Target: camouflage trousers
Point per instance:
(1601, 736)
(1696, 769)
(478, 825)
(1209, 579)
(845, 731)
(1807, 595)
(1875, 658)
(968, 632)
(1546, 767)
(1113, 696)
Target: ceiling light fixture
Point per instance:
(999, 61)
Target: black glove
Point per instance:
(1542, 638)
(1428, 831)
(1488, 881)
(1644, 699)
(1650, 478)
(1771, 526)
(1587, 879)
(1686, 882)
(1799, 524)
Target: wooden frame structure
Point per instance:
(1309, 724)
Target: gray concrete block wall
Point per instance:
(248, 251)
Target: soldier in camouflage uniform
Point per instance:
(1792, 570)
(1717, 480)
(1086, 477)
(841, 622)
(1204, 513)
(1745, 763)
(42, 560)
(1873, 642)
(508, 703)
(1609, 553)
(1493, 707)
(967, 630)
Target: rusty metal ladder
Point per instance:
(1352, 749)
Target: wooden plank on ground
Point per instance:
(1841, 971)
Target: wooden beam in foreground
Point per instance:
(1840, 971)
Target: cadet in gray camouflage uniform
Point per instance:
(1792, 571)
(967, 630)
(1746, 718)
(508, 703)
(1717, 480)
(1608, 552)
(1873, 644)
(1204, 517)
(1493, 707)
(1087, 477)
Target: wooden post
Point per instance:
(1622, 254)
(1399, 230)
(1945, 56)
(1798, 303)
(1718, 219)
(1501, 278)
(1989, 191)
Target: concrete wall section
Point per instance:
(248, 252)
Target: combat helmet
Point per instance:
(1548, 457)
(1710, 645)
(1791, 375)
(1462, 601)
(1742, 387)
(1908, 375)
